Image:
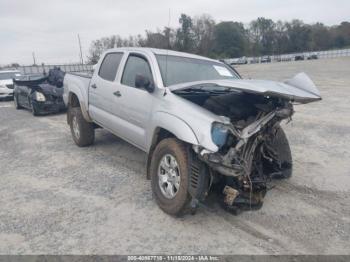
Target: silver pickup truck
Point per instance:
(203, 127)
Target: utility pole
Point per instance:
(33, 54)
(81, 52)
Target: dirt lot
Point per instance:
(56, 198)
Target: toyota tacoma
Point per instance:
(203, 127)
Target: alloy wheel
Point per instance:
(169, 176)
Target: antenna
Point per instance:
(167, 50)
(33, 54)
(81, 52)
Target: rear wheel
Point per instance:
(83, 132)
(169, 176)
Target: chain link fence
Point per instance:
(307, 55)
(311, 55)
(41, 69)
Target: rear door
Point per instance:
(103, 102)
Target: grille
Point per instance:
(52, 98)
(11, 86)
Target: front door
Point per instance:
(136, 103)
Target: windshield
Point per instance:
(176, 70)
(8, 75)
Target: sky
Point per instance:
(49, 28)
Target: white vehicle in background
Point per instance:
(6, 83)
(239, 61)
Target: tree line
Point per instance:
(202, 35)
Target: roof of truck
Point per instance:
(159, 52)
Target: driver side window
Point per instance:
(135, 65)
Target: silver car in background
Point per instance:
(6, 83)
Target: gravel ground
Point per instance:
(56, 198)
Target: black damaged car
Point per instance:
(41, 95)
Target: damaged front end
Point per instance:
(252, 147)
(247, 158)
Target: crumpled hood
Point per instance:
(48, 89)
(298, 89)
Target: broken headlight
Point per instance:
(219, 133)
(40, 97)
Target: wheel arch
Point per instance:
(168, 126)
(74, 100)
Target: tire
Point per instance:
(281, 145)
(15, 101)
(177, 204)
(34, 110)
(83, 132)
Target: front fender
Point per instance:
(174, 125)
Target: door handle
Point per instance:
(94, 86)
(117, 93)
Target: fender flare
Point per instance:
(176, 126)
(173, 124)
(73, 90)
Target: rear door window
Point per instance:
(109, 66)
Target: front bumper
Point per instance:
(48, 107)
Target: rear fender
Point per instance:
(76, 92)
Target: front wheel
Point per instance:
(15, 101)
(35, 111)
(83, 132)
(169, 176)
(281, 146)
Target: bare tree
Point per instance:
(203, 29)
(100, 45)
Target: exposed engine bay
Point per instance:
(253, 148)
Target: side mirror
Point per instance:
(144, 82)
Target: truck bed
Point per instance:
(81, 74)
(79, 84)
